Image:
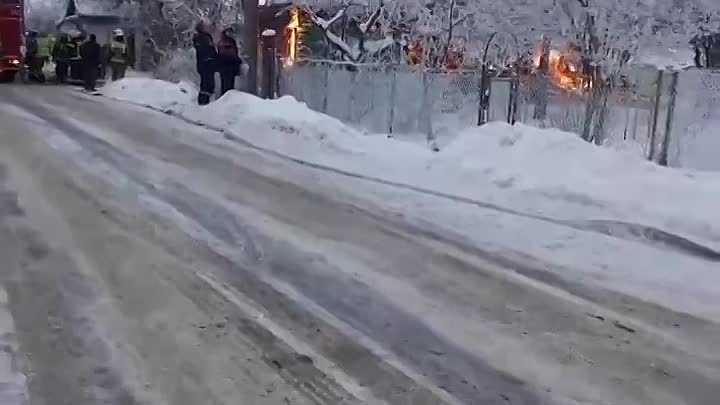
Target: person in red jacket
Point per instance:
(229, 61)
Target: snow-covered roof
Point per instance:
(106, 11)
(97, 8)
(666, 58)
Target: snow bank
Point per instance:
(597, 182)
(289, 126)
(546, 173)
(150, 92)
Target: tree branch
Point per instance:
(331, 37)
(340, 14)
(364, 27)
(459, 20)
(343, 46)
(449, 31)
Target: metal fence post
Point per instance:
(663, 161)
(353, 83)
(516, 99)
(278, 74)
(326, 84)
(512, 100)
(655, 115)
(636, 118)
(393, 95)
(627, 124)
(589, 113)
(426, 113)
(484, 96)
(591, 105)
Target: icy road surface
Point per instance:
(140, 268)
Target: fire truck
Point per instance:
(12, 32)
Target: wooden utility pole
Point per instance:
(250, 9)
(269, 59)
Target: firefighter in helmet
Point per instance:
(61, 57)
(119, 55)
(75, 38)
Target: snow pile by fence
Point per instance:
(432, 105)
(153, 93)
(598, 182)
(286, 125)
(546, 173)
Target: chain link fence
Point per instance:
(392, 100)
(695, 138)
(435, 106)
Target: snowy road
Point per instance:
(143, 268)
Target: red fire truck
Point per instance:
(12, 31)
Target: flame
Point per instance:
(293, 27)
(565, 70)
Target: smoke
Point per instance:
(43, 15)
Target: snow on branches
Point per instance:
(362, 47)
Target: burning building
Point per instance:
(567, 68)
(297, 37)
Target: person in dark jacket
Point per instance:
(90, 54)
(33, 59)
(229, 60)
(206, 59)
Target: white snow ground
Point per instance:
(550, 178)
(13, 390)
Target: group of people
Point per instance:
(75, 51)
(223, 58)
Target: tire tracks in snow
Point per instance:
(646, 234)
(219, 226)
(212, 219)
(224, 228)
(13, 385)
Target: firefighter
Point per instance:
(33, 59)
(61, 56)
(119, 56)
(229, 61)
(90, 54)
(74, 58)
(206, 60)
(45, 44)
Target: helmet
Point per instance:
(117, 32)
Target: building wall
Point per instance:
(103, 31)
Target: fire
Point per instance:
(565, 70)
(293, 27)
